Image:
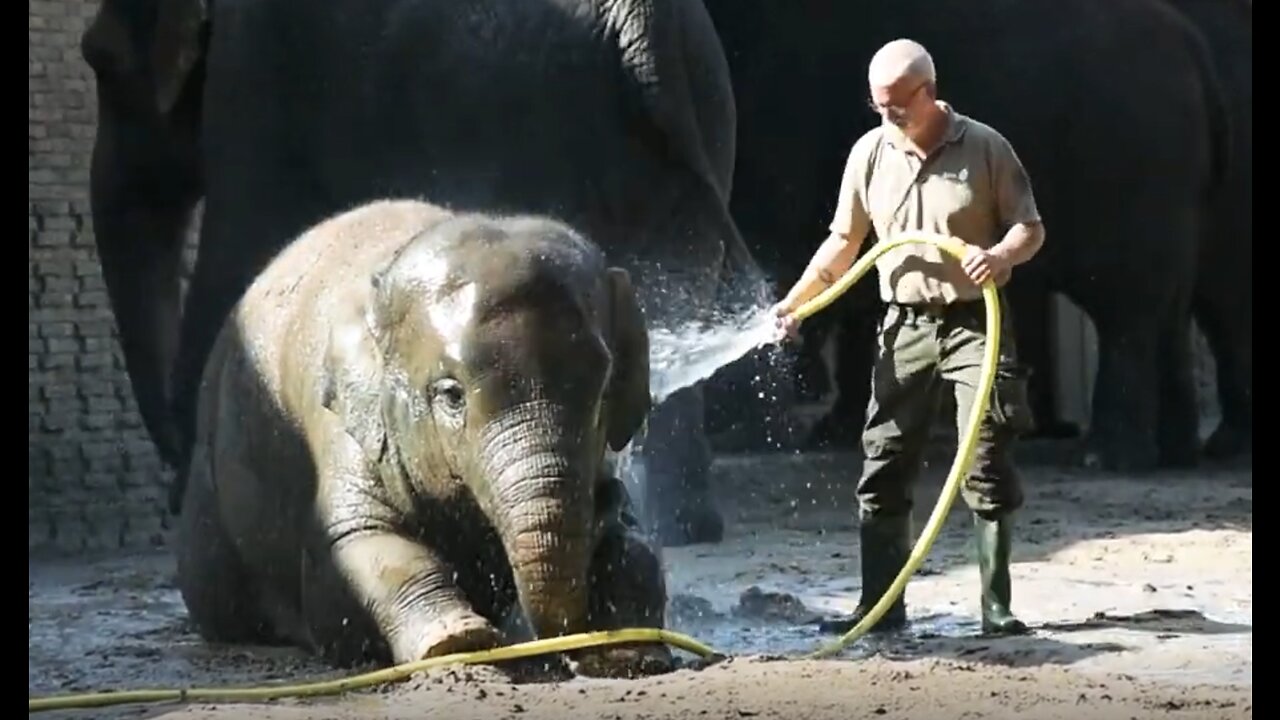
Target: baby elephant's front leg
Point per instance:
(408, 592)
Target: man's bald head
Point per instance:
(901, 60)
(903, 88)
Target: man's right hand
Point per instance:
(788, 326)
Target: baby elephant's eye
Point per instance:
(448, 394)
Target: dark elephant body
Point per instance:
(401, 435)
(1223, 301)
(615, 116)
(1124, 198)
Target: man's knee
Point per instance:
(994, 485)
(884, 502)
(889, 465)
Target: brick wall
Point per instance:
(93, 480)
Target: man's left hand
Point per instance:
(982, 265)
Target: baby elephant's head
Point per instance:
(513, 353)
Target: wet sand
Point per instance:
(1140, 592)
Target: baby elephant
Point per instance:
(401, 435)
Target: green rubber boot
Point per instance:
(886, 544)
(993, 539)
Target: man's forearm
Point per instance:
(833, 258)
(1021, 243)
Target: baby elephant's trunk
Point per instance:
(541, 503)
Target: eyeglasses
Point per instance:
(881, 109)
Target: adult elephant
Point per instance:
(1223, 301)
(615, 116)
(1124, 198)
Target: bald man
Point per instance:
(929, 168)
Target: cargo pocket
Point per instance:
(1010, 401)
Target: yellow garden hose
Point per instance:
(968, 439)
(959, 468)
(392, 674)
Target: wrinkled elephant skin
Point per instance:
(614, 116)
(401, 434)
(1124, 212)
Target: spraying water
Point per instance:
(683, 356)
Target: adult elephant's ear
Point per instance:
(629, 400)
(176, 48)
(163, 38)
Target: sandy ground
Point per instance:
(1140, 591)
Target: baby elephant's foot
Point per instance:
(623, 661)
(462, 631)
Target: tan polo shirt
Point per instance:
(973, 186)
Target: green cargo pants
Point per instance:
(921, 350)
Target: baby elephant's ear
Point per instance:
(352, 382)
(629, 401)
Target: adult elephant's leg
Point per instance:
(1163, 309)
(677, 459)
(1130, 266)
(1223, 309)
(1227, 324)
(749, 402)
(854, 316)
(1178, 434)
(1033, 324)
(813, 377)
(1126, 391)
(854, 360)
(1143, 399)
(673, 446)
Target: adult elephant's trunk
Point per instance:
(142, 202)
(541, 502)
(145, 180)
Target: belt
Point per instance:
(940, 310)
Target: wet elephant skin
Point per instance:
(615, 116)
(1125, 202)
(400, 437)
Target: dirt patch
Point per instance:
(1140, 592)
